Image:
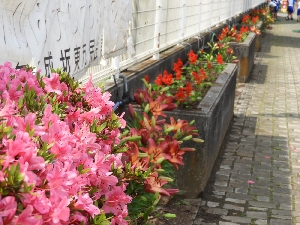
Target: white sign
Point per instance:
(70, 34)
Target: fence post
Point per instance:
(211, 9)
(115, 64)
(200, 18)
(158, 16)
(183, 14)
(219, 10)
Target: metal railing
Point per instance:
(160, 24)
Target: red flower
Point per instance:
(147, 78)
(158, 80)
(167, 78)
(203, 73)
(192, 57)
(219, 59)
(177, 68)
(209, 65)
(255, 19)
(244, 29)
(188, 89)
(238, 37)
(245, 19)
(180, 95)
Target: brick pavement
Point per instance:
(257, 174)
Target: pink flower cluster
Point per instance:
(65, 169)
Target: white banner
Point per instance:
(70, 34)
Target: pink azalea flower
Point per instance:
(84, 202)
(9, 108)
(26, 217)
(116, 200)
(53, 84)
(39, 201)
(61, 212)
(8, 207)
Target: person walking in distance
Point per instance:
(298, 11)
(290, 10)
(272, 5)
(275, 16)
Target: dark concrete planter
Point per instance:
(258, 38)
(245, 54)
(212, 118)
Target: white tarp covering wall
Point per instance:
(71, 34)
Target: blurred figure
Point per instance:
(273, 5)
(276, 9)
(290, 10)
(298, 11)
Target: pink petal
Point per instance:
(267, 157)
(296, 150)
(251, 182)
(291, 146)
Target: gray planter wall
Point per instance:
(258, 38)
(245, 54)
(212, 119)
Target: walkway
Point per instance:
(257, 175)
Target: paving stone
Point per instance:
(217, 211)
(256, 215)
(261, 222)
(235, 200)
(227, 223)
(213, 204)
(233, 207)
(280, 222)
(236, 219)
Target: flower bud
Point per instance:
(187, 138)
(198, 140)
(147, 108)
(166, 178)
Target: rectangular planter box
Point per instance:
(258, 38)
(245, 54)
(212, 118)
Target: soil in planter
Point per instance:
(204, 91)
(177, 205)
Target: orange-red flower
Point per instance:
(147, 78)
(154, 184)
(229, 51)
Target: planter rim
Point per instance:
(247, 41)
(211, 97)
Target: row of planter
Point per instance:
(213, 115)
(66, 151)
